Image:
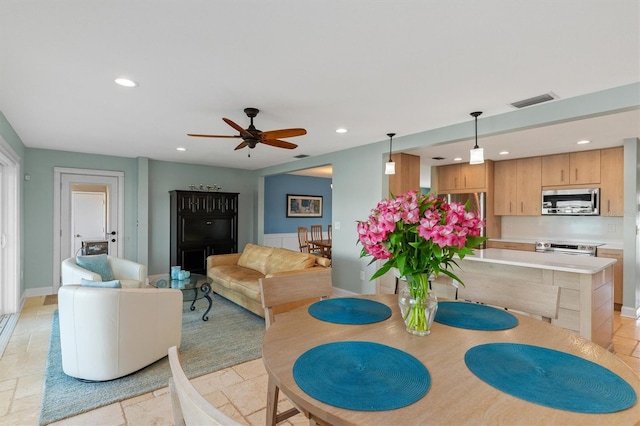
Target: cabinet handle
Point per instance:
(510, 208)
(561, 175)
(608, 206)
(521, 206)
(465, 181)
(576, 179)
(455, 183)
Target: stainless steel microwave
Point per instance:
(571, 202)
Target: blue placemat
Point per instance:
(349, 310)
(474, 316)
(549, 377)
(362, 376)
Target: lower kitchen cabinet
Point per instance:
(507, 245)
(617, 273)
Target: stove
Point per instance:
(572, 248)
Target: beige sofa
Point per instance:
(235, 276)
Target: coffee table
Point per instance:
(193, 288)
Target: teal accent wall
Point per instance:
(38, 204)
(276, 189)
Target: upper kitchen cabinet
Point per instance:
(612, 182)
(576, 168)
(457, 178)
(517, 187)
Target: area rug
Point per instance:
(231, 336)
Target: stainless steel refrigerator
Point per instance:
(477, 203)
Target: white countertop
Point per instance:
(607, 245)
(556, 262)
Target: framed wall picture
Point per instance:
(304, 205)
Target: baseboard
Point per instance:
(630, 312)
(339, 292)
(40, 291)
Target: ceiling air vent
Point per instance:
(300, 156)
(535, 100)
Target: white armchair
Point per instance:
(129, 273)
(106, 333)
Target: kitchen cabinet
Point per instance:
(407, 176)
(576, 168)
(202, 224)
(462, 177)
(612, 182)
(617, 273)
(518, 185)
(508, 245)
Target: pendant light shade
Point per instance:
(390, 167)
(476, 155)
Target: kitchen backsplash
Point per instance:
(563, 228)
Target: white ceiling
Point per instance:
(371, 66)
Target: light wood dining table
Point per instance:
(456, 395)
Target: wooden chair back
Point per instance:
(329, 232)
(532, 298)
(303, 242)
(286, 292)
(316, 233)
(189, 407)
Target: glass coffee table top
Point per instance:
(194, 288)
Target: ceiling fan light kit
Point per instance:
(390, 166)
(476, 155)
(252, 136)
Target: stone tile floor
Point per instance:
(239, 391)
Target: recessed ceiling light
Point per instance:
(341, 130)
(503, 152)
(181, 149)
(583, 142)
(457, 159)
(125, 82)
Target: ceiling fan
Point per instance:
(252, 136)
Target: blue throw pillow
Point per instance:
(96, 263)
(101, 284)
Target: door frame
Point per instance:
(58, 172)
(10, 235)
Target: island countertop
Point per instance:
(555, 262)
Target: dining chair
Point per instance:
(189, 407)
(316, 235)
(329, 232)
(281, 294)
(303, 242)
(532, 298)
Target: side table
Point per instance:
(194, 288)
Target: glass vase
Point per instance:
(418, 305)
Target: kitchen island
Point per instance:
(586, 285)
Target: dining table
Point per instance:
(325, 247)
(443, 377)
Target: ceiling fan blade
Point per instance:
(212, 136)
(279, 144)
(282, 133)
(240, 145)
(242, 131)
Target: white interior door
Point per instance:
(88, 218)
(64, 181)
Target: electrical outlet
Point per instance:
(337, 225)
(611, 228)
(361, 275)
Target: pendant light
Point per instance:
(390, 167)
(476, 154)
